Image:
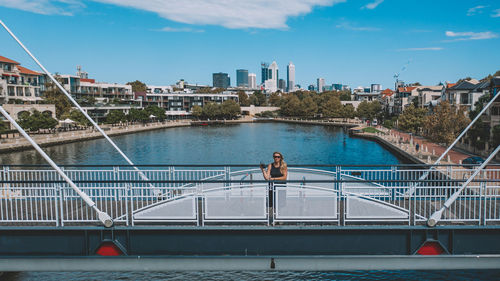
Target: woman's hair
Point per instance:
(283, 166)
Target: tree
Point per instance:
(332, 108)
(496, 136)
(375, 110)
(291, 106)
(479, 134)
(444, 125)
(274, 99)
(230, 109)
(3, 126)
(345, 95)
(138, 86)
(348, 111)
(197, 111)
(258, 99)
(363, 109)
(157, 111)
(211, 110)
(412, 119)
(78, 117)
(53, 95)
(115, 116)
(243, 98)
(309, 107)
(36, 121)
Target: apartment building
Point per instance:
(429, 95)
(19, 84)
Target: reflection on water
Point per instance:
(234, 144)
(261, 275)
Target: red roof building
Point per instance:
(26, 71)
(6, 60)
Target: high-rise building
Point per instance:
(271, 83)
(290, 77)
(337, 87)
(282, 85)
(221, 80)
(242, 78)
(310, 87)
(265, 71)
(320, 83)
(252, 81)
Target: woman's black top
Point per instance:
(276, 173)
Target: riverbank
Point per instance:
(328, 122)
(45, 140)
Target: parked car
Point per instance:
(473, 160)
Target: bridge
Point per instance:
(228, 217)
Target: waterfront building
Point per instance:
(387, 100)
(242, 78)
(290, 77)
(429, 95)
(465, 93)
(180, 103)
(19, 83)
(320, 82)
(221, 80)
(282, 85)
(404, 96)
(252, 81)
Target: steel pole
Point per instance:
(103, 217)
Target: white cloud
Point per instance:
(462, 36)
(180, 29)
(496, 13)
(349, 26)
(227, 13)
(422, 49)
(475, 10)
(45, 7)
(373, 5)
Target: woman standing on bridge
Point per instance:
(276, 172)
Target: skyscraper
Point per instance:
(271, 84)
(252, 81)
(265, 71)
(320, 83)
(290, 77)
(242, 78)
(221, 80)
(282, 85)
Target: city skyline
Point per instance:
(354, 43)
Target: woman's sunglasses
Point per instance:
(276, 156)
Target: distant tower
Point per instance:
(320, 83)
(242, 78)
(265, 71)
(252, 81)
(221, 80)
(290, 77)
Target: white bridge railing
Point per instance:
(209, 195)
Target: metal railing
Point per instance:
(206, 195)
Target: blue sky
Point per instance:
(353, 42)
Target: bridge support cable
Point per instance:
(434, 218)
(424, 176)
(142, 175)
(103, 216)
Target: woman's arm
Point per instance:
(282, 178)
(266, 173)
